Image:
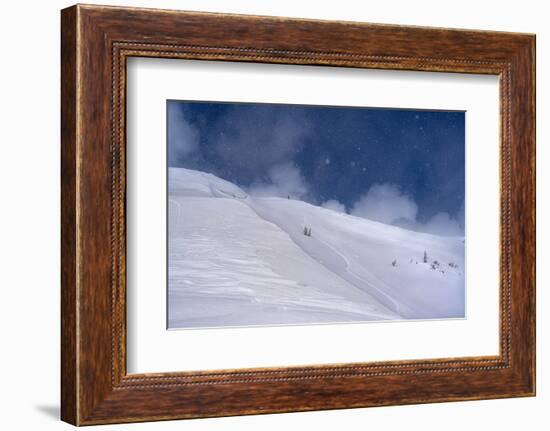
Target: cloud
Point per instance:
(253, 140)
(285, 180)
(183, 137)
(334, 205)
(253, 145)
(442, 224)
(385, 203)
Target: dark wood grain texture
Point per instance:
(95, 42)
(68, 218)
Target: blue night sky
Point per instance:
(402, 167)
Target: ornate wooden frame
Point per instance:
(95, 42)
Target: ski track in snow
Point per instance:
(241, 261)
(394, 304)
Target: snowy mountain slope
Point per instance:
(237, 260)
(362, 251)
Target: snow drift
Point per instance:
(237, 260)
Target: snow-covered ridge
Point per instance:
(241, 260)
(187, 182)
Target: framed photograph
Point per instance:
(267, 215)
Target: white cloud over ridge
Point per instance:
(285, 181)
(333, 204)
(386, 203)
(443, 224)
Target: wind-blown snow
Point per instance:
(237, 260)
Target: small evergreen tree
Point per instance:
(425, 259)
